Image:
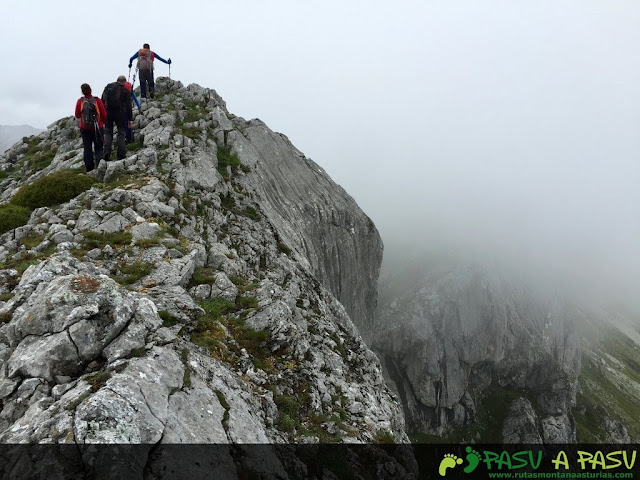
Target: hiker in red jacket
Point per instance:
(92, 114)
(145, 65)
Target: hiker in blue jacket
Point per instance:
(128, 132)
(145, 65)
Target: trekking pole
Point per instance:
(129, 76)
(169, 72)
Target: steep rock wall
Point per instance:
(314, 216)
(462, 336)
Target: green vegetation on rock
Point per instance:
(53, 189)
(13, 216)
(608, 389)
(38, 155)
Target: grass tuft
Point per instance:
(227, 159)
(100, 240)
(131, 273)
(168, 320)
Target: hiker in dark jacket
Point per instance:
(145, 66)
(117, 100)
(92, 114)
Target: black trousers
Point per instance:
(146, 76)
(118, 118)
(91, 139)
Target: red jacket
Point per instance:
(102, 113)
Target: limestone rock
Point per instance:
(522, 424)
(107, 340)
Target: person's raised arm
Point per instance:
(168, 62)
(132, 59)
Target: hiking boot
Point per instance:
(151, 93)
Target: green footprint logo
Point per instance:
(473, 457)
(449, 461)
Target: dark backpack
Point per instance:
(112, 96)
(90, 114)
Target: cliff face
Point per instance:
(201, 291)
(465, 348)
(313, 216)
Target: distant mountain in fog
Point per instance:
(478, 353)
(10, 134)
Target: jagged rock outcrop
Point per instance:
(203, 291)
(522, 424)
(463, 344)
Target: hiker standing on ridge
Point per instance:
(145, 65)
(117, 99)
(92, 114)
(128, 134)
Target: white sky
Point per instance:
(502, 126)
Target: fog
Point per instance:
(496, 131)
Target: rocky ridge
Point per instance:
(203, 290)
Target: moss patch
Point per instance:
(53, 189)
(186, 376)
(98, 380)
(135, 146)
(202, 276)
(32, 240)
(228, 202)
(384, 436)
(223, 331)
(23, 261)
(168, 320)
(227, 159)
(38, 154)
(13, 216)
(131, 273)
(74, 404)
(284, 249)
(225, 405)
(101, 240)
(209, 332)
